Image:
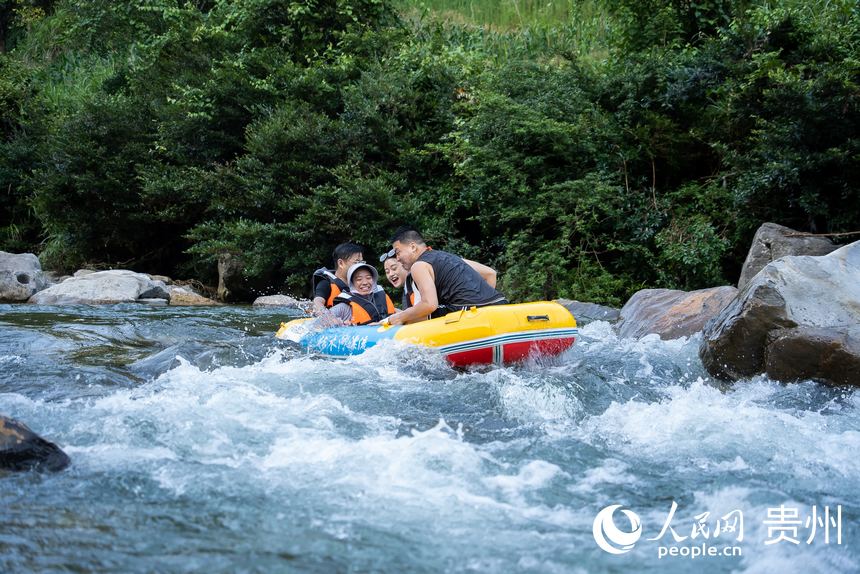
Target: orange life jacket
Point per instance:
(337, 286)
(371, 309)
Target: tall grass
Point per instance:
(500, 14)
(533, 29)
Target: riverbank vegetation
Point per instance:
(586, 149)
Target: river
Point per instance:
(201, 443)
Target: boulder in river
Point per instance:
(21, 276)
(586, 313)
(185, 296)
(772, 241)
(22, 449)
(99, 287)
(671, 313)
(799, 291)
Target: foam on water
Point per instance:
(701, 426)
(610, 471)
(534, 400)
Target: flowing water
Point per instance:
(201, 443)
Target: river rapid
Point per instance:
(201, 443)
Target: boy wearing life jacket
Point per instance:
(445, 281)
(328, 284)
(365, 302)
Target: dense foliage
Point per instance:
(588, 158)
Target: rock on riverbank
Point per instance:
(99, 287)
(772, 242)
(671, 313)
(21, 276)
(797, 318)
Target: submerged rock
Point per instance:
(99, 287)
(21, 276)
(22, 449)
(671, 313)
(799, 291)
(772, 241)
(586, 313)
(277, 301)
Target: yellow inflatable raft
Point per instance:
(500, 334)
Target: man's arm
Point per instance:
(321, 295)
(487, 273)
(422, 274)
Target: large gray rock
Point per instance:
(827, 354)
(671, 313)
(586, 313)
(114, 286)
(795, 291)
(22, 449)
(772, 242)
(20, 276)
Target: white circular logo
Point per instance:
(609, 537)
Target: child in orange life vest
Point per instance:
(366, 301)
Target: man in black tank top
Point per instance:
(446, 282)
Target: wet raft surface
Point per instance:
(201, 443)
